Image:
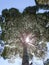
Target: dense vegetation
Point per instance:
(44, 4)
(28, 21)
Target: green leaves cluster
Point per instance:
(42, 4)
(16, 22)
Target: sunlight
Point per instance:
(27, 40)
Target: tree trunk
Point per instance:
(25, 60)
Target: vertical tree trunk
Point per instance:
(25, 60)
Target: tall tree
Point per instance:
(34, 27)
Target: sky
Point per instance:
(19, 4)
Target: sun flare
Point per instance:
(27, 40)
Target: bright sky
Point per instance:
(20, 4)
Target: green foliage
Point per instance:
(14, 13)
(2, 35)
(11, 13)
(30, 10)
(4, 53)
(5, 14)
(9, 52)
(43, 4)
(46, 62)
(28, 21)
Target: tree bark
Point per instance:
(25, 60)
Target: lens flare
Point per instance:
(27, 40)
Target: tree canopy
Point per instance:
(17, 23)
(44, 4)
